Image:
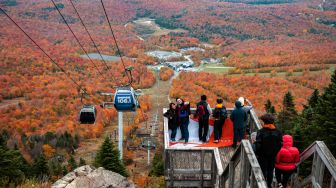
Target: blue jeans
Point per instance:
(184, 128)
(173, 133)
(238, 135)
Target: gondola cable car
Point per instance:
(88, 113)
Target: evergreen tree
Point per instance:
(40, 167)
(309, 109)
(324, 121)
(108, 157)
(82, 162)
(287, 117)
(72, 163)
(11, 165)
(269, 107)
(157, 168)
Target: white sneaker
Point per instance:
(280, 185)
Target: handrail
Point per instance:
(322, 158)
(250, 171)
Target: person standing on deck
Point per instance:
(171, 114)
(238, 118)
(268, 144)
(247, 106)
(203, 112)
(220, 115)
(183, 112)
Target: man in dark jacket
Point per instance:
(203, 119)
(268, 144)
(238, 118)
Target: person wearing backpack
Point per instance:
(268, 144)
(238, 117)
(203, 112)
(285, 161)
(219, 114)
(183, 112)
(171, 114)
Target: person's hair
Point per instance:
(268, 118)
(176, 98)
(171, 105)
(203, 97)
(219, 101)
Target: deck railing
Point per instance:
(202, 166)
(323, 169)
(243, 169)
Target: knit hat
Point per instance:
(241, 100)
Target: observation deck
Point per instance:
(198, 164)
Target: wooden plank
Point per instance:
(165, 129)
(256, 170)
(213, 170)
(190, 171)
(255, 119)
(307, 153)
(243, 161)
(202, 167)
(192, 183)
(171, 155)
(327, 157)
(252, 182)
(231, 174)
(332, 183)
(218, 162)
(314, 183)
(320, 170)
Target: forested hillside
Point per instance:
(261, 48)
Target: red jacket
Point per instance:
(288, 155)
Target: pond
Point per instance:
(96, 56)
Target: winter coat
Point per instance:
(171, 114)
(268, 142)
(181, 108)
(238, 116)
(288, 155)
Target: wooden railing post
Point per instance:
(202, 167)
(171, 163)
(243, 168)
(231, 174)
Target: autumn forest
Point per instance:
(261, 50)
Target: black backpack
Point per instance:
(220, 113)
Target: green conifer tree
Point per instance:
(72, 163)
(40, 167)
(108, 157)
(269, 107)
(287, 117)
(324, 121)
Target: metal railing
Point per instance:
(323, 169)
